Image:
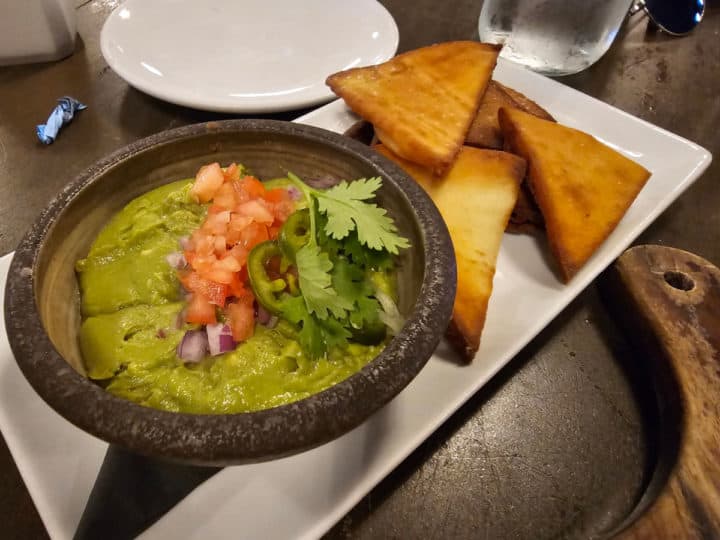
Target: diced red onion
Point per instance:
(227, 343)
(220, 338)
(176, 260)
(184, 242)
(272, 323)
(194, 346)
(294, 193)
(263, 315)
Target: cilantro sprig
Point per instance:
(314, 268)
(360, 238)
(346, 209)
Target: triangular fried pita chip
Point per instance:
(524, 103)
(526, 217)
(583, 187)
(421, 102)
(485, 129)
(475, 198)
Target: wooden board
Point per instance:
(668, 302)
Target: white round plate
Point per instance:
(244, 56)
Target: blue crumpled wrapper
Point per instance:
(62, 114)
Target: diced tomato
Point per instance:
(219, 275)
(217, 223)
(240, 194)
(242, 214)
(273, 232)
(235, 227)
(207, 181)
(200, 310)
(232, 172)
(232, 237)
(240, 254)
(241, 316)
(257, 210)
(277, 195)
(237, 286)
(226, 197)
(252, 235)
(282, 210)
(204, 263)
(252, 186)
(220, 245)
(238, 221)
(244, 274)
(204, 243)
(229, 263)
(215, 293)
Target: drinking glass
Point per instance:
(553, 37)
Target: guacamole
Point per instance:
(131, 306)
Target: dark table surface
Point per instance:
(558, 445)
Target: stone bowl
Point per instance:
(42, 299)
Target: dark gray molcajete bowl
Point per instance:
(42, 299)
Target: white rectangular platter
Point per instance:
(315, 489)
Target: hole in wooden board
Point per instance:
(679, 280)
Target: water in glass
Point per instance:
(554, 37)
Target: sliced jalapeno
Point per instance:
(268, 291)
(295, 233)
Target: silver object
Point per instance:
(675, 17)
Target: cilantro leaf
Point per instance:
(334, 333)
(316, 337)
(350, 195)
(328, 244)
(363, 256)
(349, 281)
(310, 334)
(313, 268)
(347, 210)
(367, 312)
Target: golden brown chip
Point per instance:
(583, 187)
(485, 129)
(475, 199)
(526, 217)
(485, 132)
(421, 102)
(524, 103)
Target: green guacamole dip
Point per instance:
(130, 305)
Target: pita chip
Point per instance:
(582, 187)
(475, 198)
(422, 102)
